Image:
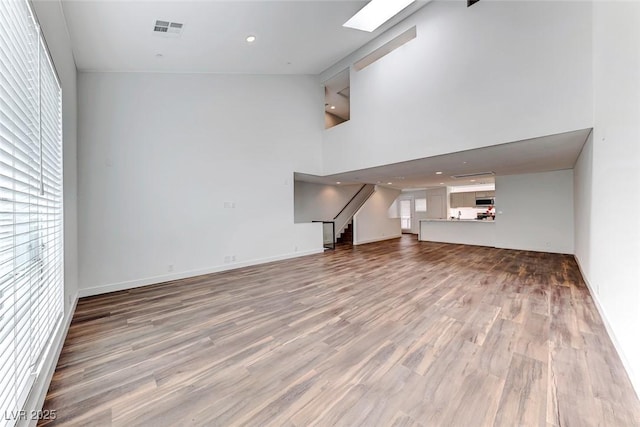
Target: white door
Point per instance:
(435, 207)
(405, 216)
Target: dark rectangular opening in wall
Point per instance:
(337, 105)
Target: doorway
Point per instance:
(405, 216)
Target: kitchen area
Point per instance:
(472, 205)
(491, 197)
(467, 215)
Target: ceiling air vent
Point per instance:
(473, 175)
(168, 28)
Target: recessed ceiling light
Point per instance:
(376, 13)
(464, 163)
(442, 183)
(250, 39)
(333, 107)
(473, 180)
(438, 173)
(389, 183)
(338, 182)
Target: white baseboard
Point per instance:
(121, 286)
(41, 387)
(538, 249)
(377, 239)
(635, 380)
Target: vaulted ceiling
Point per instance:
(293, 37)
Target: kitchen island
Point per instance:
(462, 231)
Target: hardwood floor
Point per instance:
(396, 333)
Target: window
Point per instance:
(421, 205)
(31, 264)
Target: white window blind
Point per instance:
(31, 264)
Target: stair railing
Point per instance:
(344, 221)
(349, 202)
(328, 234)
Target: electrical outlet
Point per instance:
(229, 205)
(229, 258)
(170, 268)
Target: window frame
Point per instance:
(31, 206)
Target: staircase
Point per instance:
(347, 234)
(341, 229)
(344, 218)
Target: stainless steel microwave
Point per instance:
(485, 202)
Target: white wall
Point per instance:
(607, 175)
(160, 154)
(53, 26)
(535, 212)
(583, 205)
(319, 202)
(372, 222)
(497, 72)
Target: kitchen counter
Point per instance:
(463, 232)
(485, 221)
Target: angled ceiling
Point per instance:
(293, 37)
(544, 154)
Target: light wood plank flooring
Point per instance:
(396, 333)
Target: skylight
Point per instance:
(376, 13)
